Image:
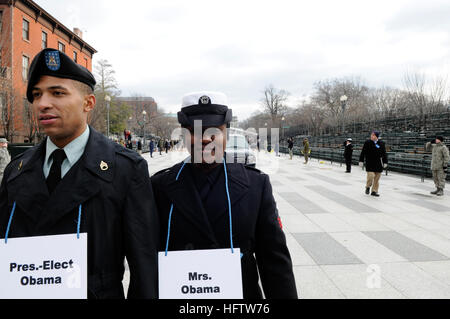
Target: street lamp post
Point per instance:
(144, 113)
(108, 106)
(344, 100)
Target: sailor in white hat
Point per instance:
(204, 206)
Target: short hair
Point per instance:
(83, 88)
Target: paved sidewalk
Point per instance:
(345, 244)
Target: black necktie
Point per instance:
(54, 177)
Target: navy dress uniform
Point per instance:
(111, 184)
(201, 217)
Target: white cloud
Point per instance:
(168, 48)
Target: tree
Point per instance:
(8, 98)
(274, 103)
(163, 125)
(328, 95)
(424, 95)
(30, 123)
(106, 85)
(119, 114)
(314, 117)
(388, 102)
(257, 120)
(8, 94)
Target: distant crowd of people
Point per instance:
(161, 146)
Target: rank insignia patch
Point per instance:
(52, 60)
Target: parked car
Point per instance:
(239, 151)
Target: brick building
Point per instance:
(26, 29)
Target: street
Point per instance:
(345, 244)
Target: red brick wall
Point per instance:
(31, 48)
(5, 36)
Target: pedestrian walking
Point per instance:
(167, 146)
(139, 147)
(79, 182)
(306, 150)
(152, 148)
(160, 146)
(348, 154)
(439, 163)
(218, 205)
(291, 147)
(129, 145)
(5, 158)
(374, 154)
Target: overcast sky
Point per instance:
(166, 48)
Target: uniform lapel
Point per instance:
(26, 184)
(82, 182)
(238, 186)
(186, 201)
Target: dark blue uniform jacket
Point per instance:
(257, 228)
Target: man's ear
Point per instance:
(89, 103)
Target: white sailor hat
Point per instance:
(209, 107)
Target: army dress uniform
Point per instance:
(201, 219)
(113, 187)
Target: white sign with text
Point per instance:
(200, 274)
(48, 267)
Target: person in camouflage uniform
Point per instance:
(439, 163)
(306, 150)
(5, 158)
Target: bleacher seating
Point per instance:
(405, 140)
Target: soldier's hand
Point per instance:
(361, 164)
(385, 166)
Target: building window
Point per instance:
(44, 40)
(75, 56)
(26, 30)
(1, 20)
(25, 67)
(86, 63)
(61, 47)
